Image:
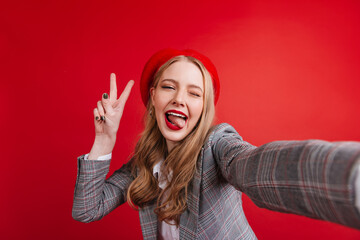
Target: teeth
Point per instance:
(176, 114)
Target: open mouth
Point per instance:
(175, 119)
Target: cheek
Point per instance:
(198, 110)
(161, 100)
(158, 114)
(158, 103)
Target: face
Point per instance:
(178, 101)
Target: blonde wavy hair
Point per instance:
(151, 148)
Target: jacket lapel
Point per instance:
(148, 220)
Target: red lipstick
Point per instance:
(169, 124)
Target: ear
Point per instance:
(152, 94)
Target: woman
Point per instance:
(187, 177)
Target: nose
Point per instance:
(179, 98)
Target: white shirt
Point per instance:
(166, 231)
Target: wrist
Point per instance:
(105, 139)
(102, 146)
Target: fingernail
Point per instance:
(97, 118)
(102, 118)
(105, 96)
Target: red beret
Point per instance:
(161, 57)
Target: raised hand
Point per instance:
(110, 109)
(107, 116)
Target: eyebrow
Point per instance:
(176, 82)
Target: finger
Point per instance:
(113, 88)
(107, 106)
(125, 94)
(96, 115)
(100, 108)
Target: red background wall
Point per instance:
(288, 70)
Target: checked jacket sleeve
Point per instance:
(312, 178)
(94, 195)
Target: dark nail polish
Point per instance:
(105, 96)
(102, 118)
(97, 118)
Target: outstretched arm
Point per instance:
(312, 178)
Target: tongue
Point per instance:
(177, 121)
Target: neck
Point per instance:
(170, 145)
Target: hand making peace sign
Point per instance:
(107, 114)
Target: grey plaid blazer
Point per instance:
(311, 178)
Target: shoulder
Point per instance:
(221, 131)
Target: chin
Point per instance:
(173, 137)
